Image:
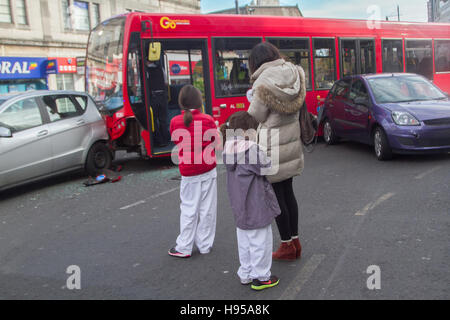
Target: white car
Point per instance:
(45, 133)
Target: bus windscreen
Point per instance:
(104, 64)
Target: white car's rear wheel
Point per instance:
(98, 158)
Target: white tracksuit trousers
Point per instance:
(255, 253)
(198, 216)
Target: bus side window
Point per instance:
(297, 52)
(418, 57)
(357, 56)
(231, 72)
(442, 55)
(324, 63)
(392, 51)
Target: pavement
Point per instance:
(355, 212)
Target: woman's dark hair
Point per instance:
(261, 53)
(238, 120)
(189, 98)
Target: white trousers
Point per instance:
(198, 216)
(255, 254)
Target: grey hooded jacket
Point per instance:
(252, 198)
(279, 91)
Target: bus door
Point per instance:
(324, 71)
(182, 62)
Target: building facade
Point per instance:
(43, 42)
(439, 11)
(264, 8)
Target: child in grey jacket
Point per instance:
(252, 199)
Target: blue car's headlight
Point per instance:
(402, 118)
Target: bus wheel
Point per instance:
(328, 133)
(98, 158)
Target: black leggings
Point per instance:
(287, 221)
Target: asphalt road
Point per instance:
(355, 212)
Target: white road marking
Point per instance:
(152, 197)
(132, 205)
(164, 192)
(302, 277)
(158, 195)
(424, 174)
(373, 205)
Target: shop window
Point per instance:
(297, 52)
(22, 115)
(231, 70)
(392, 55)
(64, 81)
(442, 55)
(21, 12)
(5, 11)
(324, 63)
(21, 85)
(419, 57)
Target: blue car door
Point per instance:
(357, 112)
(337, 107)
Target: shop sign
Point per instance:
(22, 68)
(81, 63)
(65, 65)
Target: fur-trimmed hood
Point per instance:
(279, 92)
(280, 85)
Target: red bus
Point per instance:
(211, 52)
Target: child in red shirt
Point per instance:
(196, 136)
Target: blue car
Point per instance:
(396, 113)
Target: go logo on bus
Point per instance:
(167, 23)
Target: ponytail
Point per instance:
(187, 118)
(223, 131)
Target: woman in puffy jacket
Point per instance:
(278, 94)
